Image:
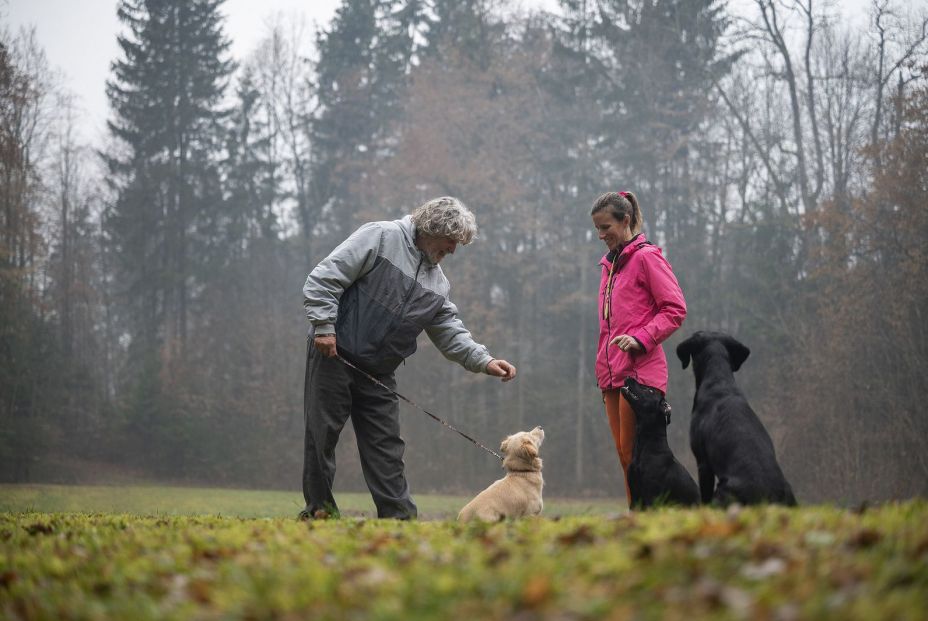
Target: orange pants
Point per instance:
(622, 424)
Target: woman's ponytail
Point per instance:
(636, 220)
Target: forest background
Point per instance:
(151, 321)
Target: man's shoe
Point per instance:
(317, 514)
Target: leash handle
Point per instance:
(418, 407)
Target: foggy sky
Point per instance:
(79, 39)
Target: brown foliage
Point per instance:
(868, 335)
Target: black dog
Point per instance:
(654, 475)
(727, 438)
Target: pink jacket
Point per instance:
(646, 303)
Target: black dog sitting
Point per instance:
(654, 474)
(728, 440)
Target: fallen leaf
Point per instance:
(39, 528)
(583, 534)
(763, 549)
(719, 530)
(864, 538)
(536, 591)
(200, 591)
(7, 578)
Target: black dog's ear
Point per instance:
(737, 353)
(683, 355)
(687, 348)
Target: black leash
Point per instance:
(410, 402)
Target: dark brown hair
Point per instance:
(620, 204)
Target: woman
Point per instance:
(640, 305)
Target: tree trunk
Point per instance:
(581, 375)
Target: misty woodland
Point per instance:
(151, 318)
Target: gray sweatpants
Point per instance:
(332, 393)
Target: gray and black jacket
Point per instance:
(377, 292)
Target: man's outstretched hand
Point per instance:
(326, 344)
(501, 368)
(497, 368)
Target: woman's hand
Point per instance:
(501, 368)
(626, 343)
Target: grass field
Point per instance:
(816, 562)
(177, 501)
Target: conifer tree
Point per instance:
(165, 95)
(657, 61)
(466, 27)
(251, 177)
(344, 125)
(361, 79)
(164, 224)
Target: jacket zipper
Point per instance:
(610, 290)
(618, 268)
(415, 279)
(609, 327)
(402, 310)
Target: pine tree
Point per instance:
(164, 225)
(466, 27)
(165, 94)
(251, 178)
(344, 125)
(361, 78)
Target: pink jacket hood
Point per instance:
(646, 303)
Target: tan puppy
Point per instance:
(519, 492)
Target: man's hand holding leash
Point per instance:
(325, 343)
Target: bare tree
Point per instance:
(842, 65)
(900, 40)
(772, 28)
(66, 190)
(25, 87)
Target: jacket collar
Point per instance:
(409, 232)
(626, 251)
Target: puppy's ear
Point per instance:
(687, 348)
(529, 449)
(737, 353)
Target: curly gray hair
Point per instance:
(446, 217)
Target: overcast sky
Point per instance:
(79, 36)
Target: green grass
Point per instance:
(815, 562)
(177, 501)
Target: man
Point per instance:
(368, 301)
